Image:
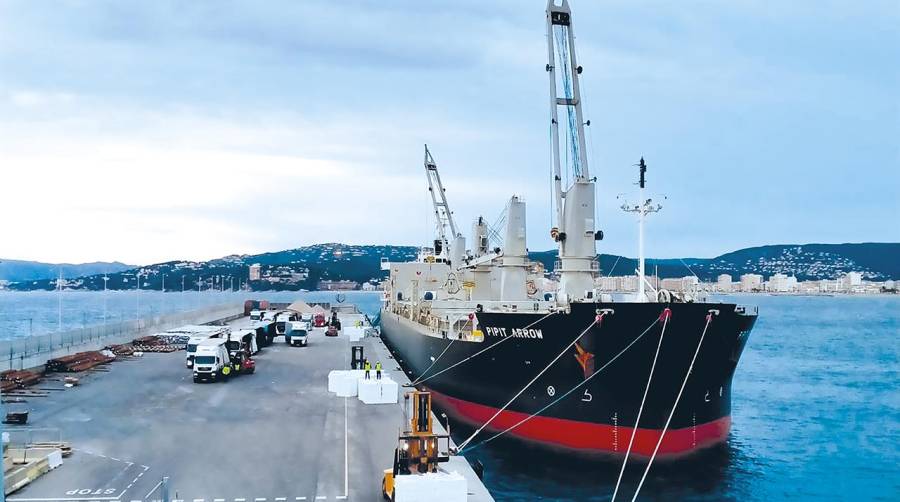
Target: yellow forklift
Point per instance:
(418, 451)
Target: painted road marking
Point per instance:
(346, 455)
(153, 489)
(198, 500)
(321, 497)
(260, 499)
(280, 498)
(300, 498)
(240, 500)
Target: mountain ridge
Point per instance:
(304, 267)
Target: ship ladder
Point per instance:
(570, 391)
(666, 314)
(482, 351)
(709, 317)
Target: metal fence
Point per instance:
(35, 345)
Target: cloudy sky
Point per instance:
(150, 131)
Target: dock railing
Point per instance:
(14, 353)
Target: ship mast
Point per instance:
(453, 247)
(575, 232)
(642, 209)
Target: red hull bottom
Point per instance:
(590, 437)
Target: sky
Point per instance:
(153, 131)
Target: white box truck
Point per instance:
(212, 361)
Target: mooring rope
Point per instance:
(597, 320)
(433, 363)
(484, 349)
(569, 392)
(666, 314)
(677, 399)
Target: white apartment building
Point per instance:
(254, 272)
(751, 282)
(723, 283)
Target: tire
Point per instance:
(196, 380)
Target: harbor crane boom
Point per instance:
(442, 213)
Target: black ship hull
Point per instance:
(599, 415)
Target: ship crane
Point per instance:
(451, 247)
(576, 233)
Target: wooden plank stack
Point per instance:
(121, 350)
(16, 379)
(77, 362)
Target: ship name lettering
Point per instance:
(514, 332)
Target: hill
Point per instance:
(303, 268)
(21, 270)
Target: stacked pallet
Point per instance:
(78, 362)
(15, 379)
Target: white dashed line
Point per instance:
(114, 458)
(321, 497)
(218, 500)
(280, 498)
(341, 497)
(198, 500)
(260, 499)
(300, 498)
(240, 500)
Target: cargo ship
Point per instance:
(547, 358)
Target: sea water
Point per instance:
(38, 312)
(816, 416)
(816, 402)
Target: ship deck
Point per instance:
(275, 436)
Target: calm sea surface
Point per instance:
(40, 312)
(816, 411)
(816, 403)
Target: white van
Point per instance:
(255, 315)
(211, 361)
(298, 334)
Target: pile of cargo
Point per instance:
(16, 379)
(121, 350)
(78, 362)
(153, 343)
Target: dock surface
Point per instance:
(275, 436)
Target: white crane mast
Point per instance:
(575, 232)
(453, 246)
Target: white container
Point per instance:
(443, 486)
(384, 391)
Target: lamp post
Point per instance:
(105, 280)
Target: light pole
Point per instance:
(59, 301)
(138, 311)
(182, 284)
(105, 279)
